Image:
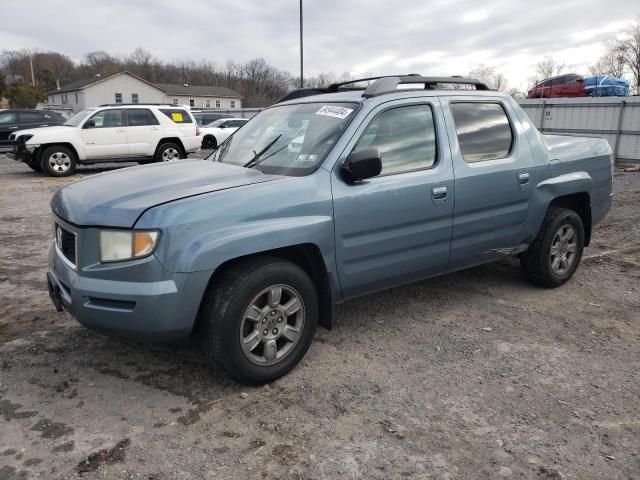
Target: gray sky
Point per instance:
(435, 37)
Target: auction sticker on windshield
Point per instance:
(333, 111)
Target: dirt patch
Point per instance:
(50, 429)
(107, 456)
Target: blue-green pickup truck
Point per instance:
(329, 194)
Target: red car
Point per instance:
(570, 85)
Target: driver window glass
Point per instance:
(405, 137)
(107, 119)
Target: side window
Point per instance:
(405, 138)
(192, 102)
(31, 117)
(137, 117)
(483, 130)
(177, 115)
(236, 123)
(134, 98)
(107, 119)
(118, 97)
(8, 117)
(217, 103)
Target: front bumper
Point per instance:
(20, 154)
(162, 307)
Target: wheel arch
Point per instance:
(308, 257)
(42, 148)
(175, 140)
(579, 202)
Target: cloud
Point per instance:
(438, 37)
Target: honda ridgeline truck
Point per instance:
(252, 249)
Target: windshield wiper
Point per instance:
(256, 155)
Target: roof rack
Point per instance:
(386, 84)
(138, 104)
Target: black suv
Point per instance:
(14, 120)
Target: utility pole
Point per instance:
(33, 79)
(301, 54)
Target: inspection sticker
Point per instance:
(332, 111)
(176, 116)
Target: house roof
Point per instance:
(197, 90)
(81, 84)
(168, 88)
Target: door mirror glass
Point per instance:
(90, 124)
(361, 165)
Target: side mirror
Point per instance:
(89, 124)
(580, 80)
(224, 125)
(361, 165)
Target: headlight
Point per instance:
(119, 245)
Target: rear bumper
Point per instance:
(162, 308)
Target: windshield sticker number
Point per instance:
(306, 158)
(176, 116)
(336, 112)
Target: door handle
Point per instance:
(121, 130)
(439, 193)
(13, 128)
(523, 178)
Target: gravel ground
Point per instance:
(468, 376)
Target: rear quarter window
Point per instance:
(177, 115)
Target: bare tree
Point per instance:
(611, 63)
(628, 44)
(490, 76)
(549, 67)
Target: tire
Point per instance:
(209, 142)
(562, 232)
(168, 152)
(58, 161)
(225, 322)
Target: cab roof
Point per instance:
(389, 85)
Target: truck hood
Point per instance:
(42, 132)
(118, 198)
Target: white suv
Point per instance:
(110, 133)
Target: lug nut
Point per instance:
(265, 332)
(279, 319)
(264, 320)
(275, 331)
(273, 313)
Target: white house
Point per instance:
(125, 87)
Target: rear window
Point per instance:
(138, 117)
(483, 130)
(177, 115)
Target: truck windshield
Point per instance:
(287, 139)
(77, 119)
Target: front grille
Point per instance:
(66, 242)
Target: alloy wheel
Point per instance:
(272, 325)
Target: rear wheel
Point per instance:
(58, 161)
(168, 152)
(555, 254)
(259, 320)
(209, 142)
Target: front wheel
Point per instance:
(58, 161)
(555, 254)
(259, 319)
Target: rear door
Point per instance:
(494, 174)
(396, 227)
(143, 131)
(104, 135)
(8, 125)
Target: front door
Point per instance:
(494, 177)
(104, 135)
(396, 227)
